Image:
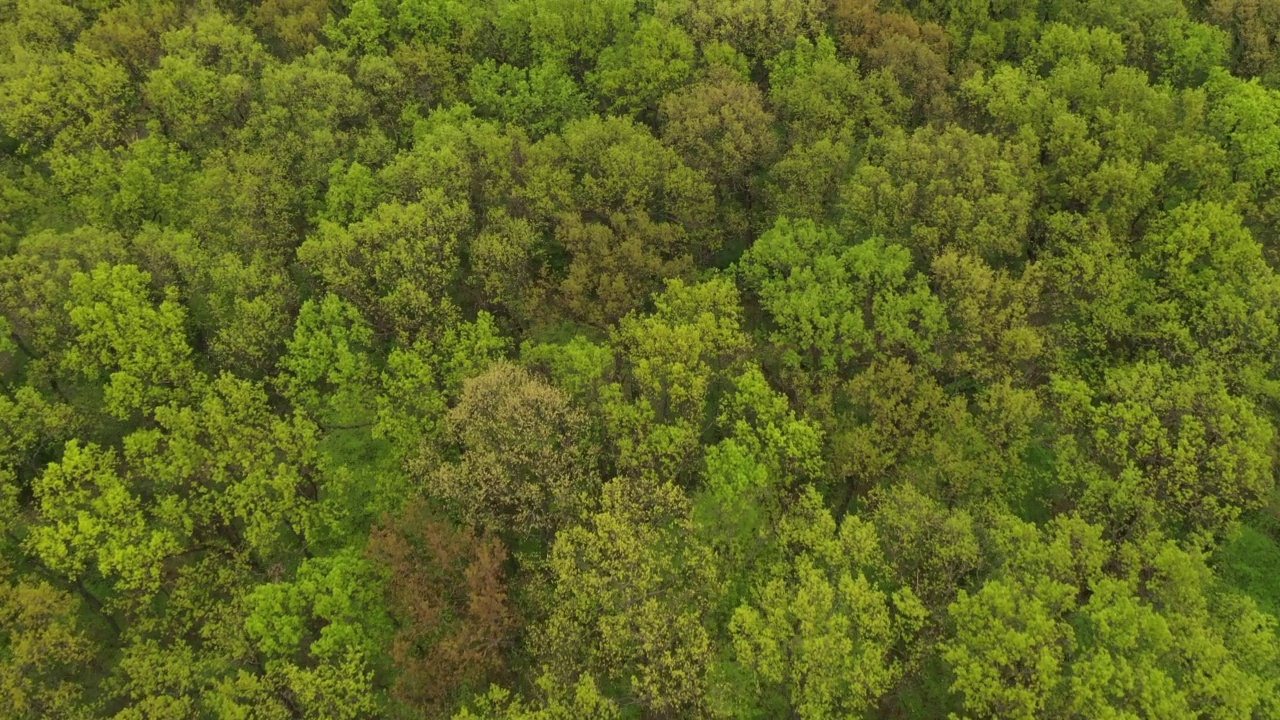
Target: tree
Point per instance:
(419, 381)
(91, 521)
(445, 641)
(506, 261)
(896, 409)
(631, 77)
(256, 473)
(571, 32)
(818, 95)
(540, 99)
(838, 305)
(46, 652)
(762, 422)
(1243, 117)
(1073, 625)
(251, 305)
(817, 637)
(261, 187)
(140, 347)
(582, 700)
(462, 157)
(629, 600)
(758, 29)
(721, 127)
(915, 53)
(617, 265)
(528, 461)
(325, 369)
(130, 32)
(362, 30)
(203, 83)
(51, 26)
(624, 208)
(1210, 273)
(1253, 25)
(31, 428)
(127, 188)
(396, 265)
(1100, 306)
(187, 515)
(35, 287)
(992, 333)
(329, 672)
(932, 549)
(1188, 51)
(805, 181)
(656, 417)
(293, 26)
(945, 190)
(64, 100)
(1159, 447)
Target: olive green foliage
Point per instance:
(639, 359)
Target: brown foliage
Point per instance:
(449, 597)
(1256, 27)
(914, 53)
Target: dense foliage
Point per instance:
(605, 359)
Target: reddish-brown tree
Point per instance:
(449, 597)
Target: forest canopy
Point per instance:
(639, 359)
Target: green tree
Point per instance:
(581, 700)
(992, 329)
(819, 95)
(759, 29)
(1160, 447)
(329, 672)
(632, 76)
(1071, 625)
(92, 521)
(540, 99)
(204, 82)
(293, 26)
(657, 415)
(46, 652)
(325, 369)
(572, 32)
(837, 305)
(419, 381)
(721, 127)
(35, 287)
(63, 100)
(396, 265)
(629, 601)
(625, 210)
(1210, 273)
(949, 189)
(817, 638)
(528, 460)
(139, 347)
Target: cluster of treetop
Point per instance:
(639, 359)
